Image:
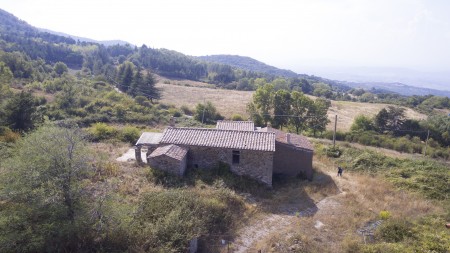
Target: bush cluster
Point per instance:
(404, 144)
(102, 131)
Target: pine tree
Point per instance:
(148, 88)
(136, 84)
(20, 111)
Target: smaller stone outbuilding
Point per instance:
(170, 158)
(148, 140)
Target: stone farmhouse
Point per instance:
(255, 152)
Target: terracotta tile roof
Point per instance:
(248, 140)
(235, 125)
(298, 141)
(173, 151)
(149, 138)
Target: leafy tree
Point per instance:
(367, 97)
(60, 68)
(306, 86)
(281, 108)
(381, 119)
(317, 115)
(206, 113)
(439, 126)
(391, 118)
(42, 182)
(362, 123)
(20, 111)
(67, 98)
(300, 105)
(255, 116)
(280, 84)
(5, 79)
(322, 90)
(263, 100)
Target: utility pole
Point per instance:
(204, 107)
(426, 143)
(334, 133)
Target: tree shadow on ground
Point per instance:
(297, 196)
(288, 195)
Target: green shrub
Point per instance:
(237, 117)
(101, 131)
(174, 112)
(130, 134)
(395, 230)
(186, 110)
(9, 136)
(166, 220)
(333, 151)
(384, 215)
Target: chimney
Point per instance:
(172, 122)
(269, 127)
(288, 138)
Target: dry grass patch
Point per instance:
(347, 111)
(227, 102)
(359, 200)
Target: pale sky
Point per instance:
(292, 34)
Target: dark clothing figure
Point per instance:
(340, 171)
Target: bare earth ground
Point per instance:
(229, 102)
(327, 217)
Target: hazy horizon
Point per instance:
(295, 35)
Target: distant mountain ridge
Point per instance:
(400, 88)
(17, 35)
(103, 42)
(247, 63)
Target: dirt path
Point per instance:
(261, 230)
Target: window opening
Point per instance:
(236, 156)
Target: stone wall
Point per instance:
(291, 161)
(168, 164)
(255, 164)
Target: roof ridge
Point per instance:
(217, 129)
(249, 121)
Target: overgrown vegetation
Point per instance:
(48, 202)
(390, 129)
(429, 178)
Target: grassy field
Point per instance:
(229, 102)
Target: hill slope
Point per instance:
(103, 42)
(247, 63)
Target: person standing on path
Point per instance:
(340, 171)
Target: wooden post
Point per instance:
(334, 133)
(203, 114)
(426, 144)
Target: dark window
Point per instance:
(236, 156)
(196, 166)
